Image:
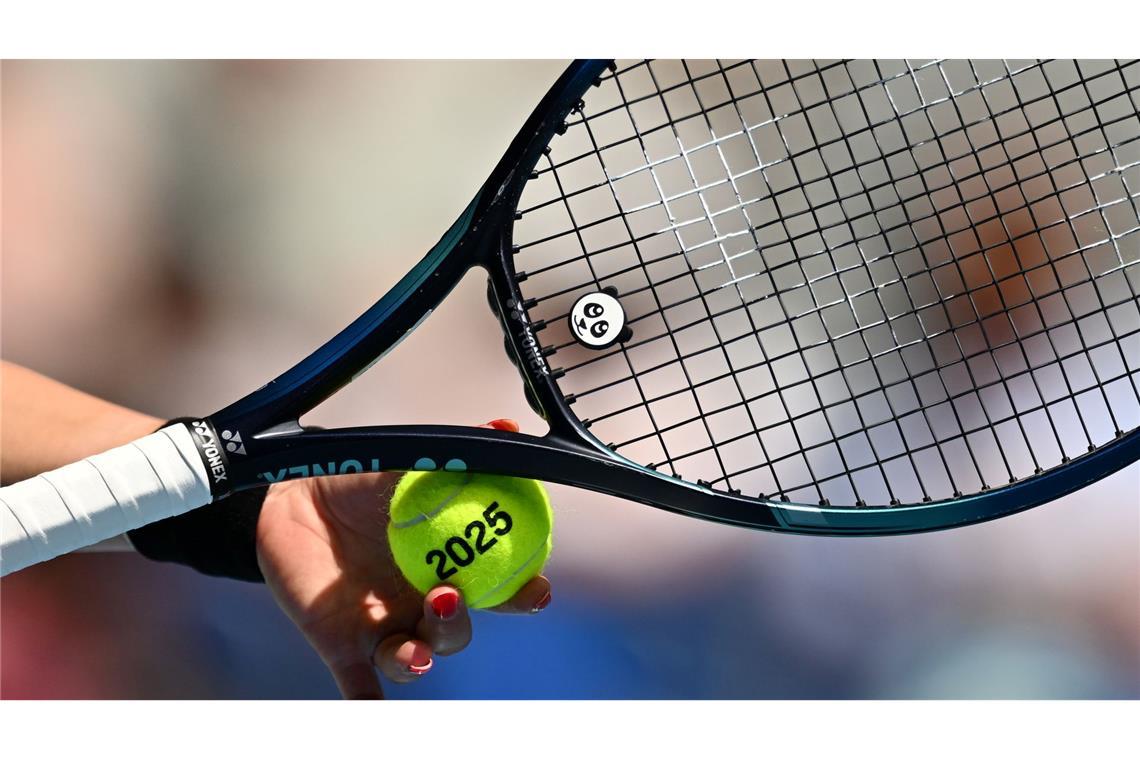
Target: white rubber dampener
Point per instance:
(100, 497)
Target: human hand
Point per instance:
(322, 545)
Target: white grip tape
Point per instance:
(100, 497)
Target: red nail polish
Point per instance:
(420, 668)
(504, 424)
(541, 604)
(445, 605)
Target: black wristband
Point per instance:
(218, 539)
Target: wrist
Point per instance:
(217, 539)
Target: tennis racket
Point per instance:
(845, 297)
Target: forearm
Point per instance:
(45, 424)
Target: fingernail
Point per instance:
(419, 666)
(541, 604)
(504, 424)
(445, 605)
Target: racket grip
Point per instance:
(101, 497)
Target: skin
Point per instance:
(322, 543)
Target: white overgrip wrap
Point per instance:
(100, 497)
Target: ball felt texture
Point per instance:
(486, 535)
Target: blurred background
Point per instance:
(175, 234)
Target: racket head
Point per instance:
(1064, 137)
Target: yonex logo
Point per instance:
(529, 343)
(317, 469)
(208, 446)
(233, 442)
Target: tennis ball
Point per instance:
(484, 534)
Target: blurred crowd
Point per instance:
(175, 234)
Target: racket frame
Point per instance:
(277, 447)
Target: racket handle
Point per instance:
(100, 497)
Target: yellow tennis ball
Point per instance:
(484, 534)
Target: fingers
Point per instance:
(444, 629)
(530, 599)
(402, 658)
(446, 624)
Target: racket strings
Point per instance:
(735, 279)
(658, 398)
(927, 292)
